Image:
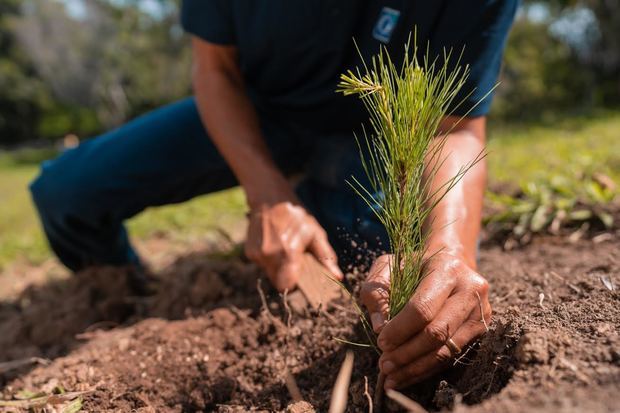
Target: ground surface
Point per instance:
(204, 343)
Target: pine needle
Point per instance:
(403, 154)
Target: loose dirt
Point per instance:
(206, 343)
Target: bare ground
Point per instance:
(205, 343)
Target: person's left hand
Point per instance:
(441, 318)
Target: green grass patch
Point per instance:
(195, 218)
(20, 236)
(520, 153)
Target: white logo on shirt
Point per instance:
(388, 18)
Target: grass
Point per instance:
(517, 154)
(20, 236)
(520, 153)
(563, 178)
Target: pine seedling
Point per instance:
(403, 154)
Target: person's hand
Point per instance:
(441, 318)
(278, 237)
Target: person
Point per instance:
(265, 107)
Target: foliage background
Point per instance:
(83, 66)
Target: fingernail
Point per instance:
(387, 367)
(389, 384)
(334, 269)
(383, 344)
(377, 321)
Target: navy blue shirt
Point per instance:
(292, 52)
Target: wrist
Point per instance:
(452, 249)
(270, 189)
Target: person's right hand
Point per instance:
(278, 237)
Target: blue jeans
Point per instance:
(165, 157)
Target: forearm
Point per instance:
(234, 128)
(455, 222)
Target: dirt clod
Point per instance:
(300, 407)
(532, 348)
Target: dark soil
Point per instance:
(205, 343)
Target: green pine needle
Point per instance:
(406, 106)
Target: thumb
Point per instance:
(375, 291)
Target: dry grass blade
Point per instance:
(70, 399)
(367, 395)
(406, 402)
(16, 364)
(340, 392)
(486, 326)
(608, 282)
(73, 407)
(292, 387)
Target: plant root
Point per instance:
(406, 402)
(338, 403)
(292, 387)
(378, 396)
(486, 326)
(367, 395)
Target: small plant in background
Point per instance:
(579, 196)
(403, 154)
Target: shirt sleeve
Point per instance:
(211, 20)
(481, 36)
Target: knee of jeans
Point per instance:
(52, 193)
(42, 193)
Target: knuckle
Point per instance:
(379, 294)
(269, 250)
(480, 284)
(443, 355)
(373, 292)
(450, 280)
(422, 310)
(437, 332)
